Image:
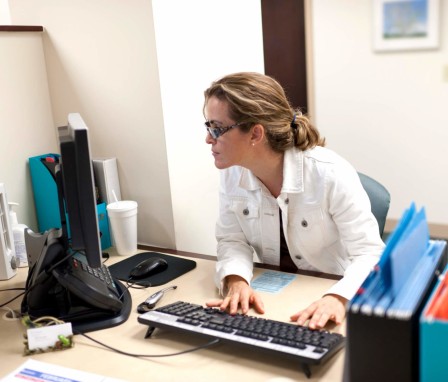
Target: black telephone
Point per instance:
(61, 283)
(94, 285)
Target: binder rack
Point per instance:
(381, 348)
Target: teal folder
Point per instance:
(45, 193)
(46, 200)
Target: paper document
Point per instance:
(272, 282)
(37, 371)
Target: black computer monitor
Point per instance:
(79, 189)
(57, 284)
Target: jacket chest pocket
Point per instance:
(306, 228)
(248, 215)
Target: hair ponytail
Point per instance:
(306, 136)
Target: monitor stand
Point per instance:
(95, 320)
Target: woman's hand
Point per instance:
(330, 307)
(239, 294)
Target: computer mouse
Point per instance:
(148, 268)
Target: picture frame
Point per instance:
(405, 25)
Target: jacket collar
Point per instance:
(293, 171)
(292, 174)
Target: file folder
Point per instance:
(106, 178)
(405, 300)
(45, 192)
(434, 334)
(383, 340)
(46, 198)
(377, 283)
(108, 182)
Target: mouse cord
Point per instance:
(124, 290)
(133, 285)
(128, 285)
(207, 345)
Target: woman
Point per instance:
(285, 197)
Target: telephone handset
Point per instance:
(93, 285)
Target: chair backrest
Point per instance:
(379, 199)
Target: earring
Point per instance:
(253, 144)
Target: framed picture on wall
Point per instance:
(405, 24)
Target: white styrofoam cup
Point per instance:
(123, 220)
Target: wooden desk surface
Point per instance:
(221, 362)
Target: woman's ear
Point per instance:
(257, 134)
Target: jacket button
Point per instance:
(299, 257)
(246, 211)
(286, 200)
(304, 223)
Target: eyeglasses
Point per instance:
(216, 131)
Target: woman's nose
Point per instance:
(209, 139)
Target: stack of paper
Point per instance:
(410, 258)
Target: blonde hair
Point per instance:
(257, 98)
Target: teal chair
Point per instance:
(379, 199)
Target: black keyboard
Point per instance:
(288, 339)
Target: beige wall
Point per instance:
(25, 116)
(102, 62)
(384, 111)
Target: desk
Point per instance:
(219, 363)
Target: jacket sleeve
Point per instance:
(235, 255)
(349, 206)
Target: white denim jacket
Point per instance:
(327, 220)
